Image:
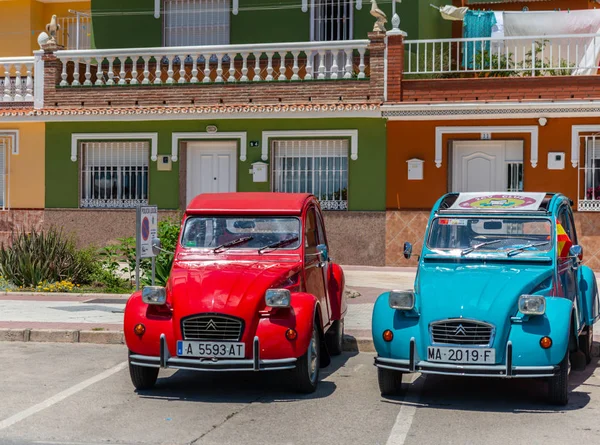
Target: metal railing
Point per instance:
(75, 31)
(556, 55)
(216, 64)
(588, 178)
(16, 79)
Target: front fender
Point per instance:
(271, 329)
(336, 284)
(589, 292)
(149, 343)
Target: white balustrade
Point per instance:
(16, 79)
(555, 55)
(214, 64)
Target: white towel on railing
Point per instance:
(583, 53)
(453, 13)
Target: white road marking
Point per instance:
(60, 396)
(407, 413)
(357, 367)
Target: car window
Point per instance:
(311, 234)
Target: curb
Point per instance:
(62, 336)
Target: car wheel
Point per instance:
(390, 381)
(586, 341)
(335, 337)
(307, 368)
(142, 377)
(558, 385)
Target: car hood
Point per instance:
(235, 288)
(488, 293)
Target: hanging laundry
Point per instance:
(477, 24)
(453, 12)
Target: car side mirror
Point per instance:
(323, 253)
(576, 252)
(407, 250)
(156, 246)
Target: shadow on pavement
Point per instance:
(493, 395)
(240, 387)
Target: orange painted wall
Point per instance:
(416, 139)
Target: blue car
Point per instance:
(500, 291)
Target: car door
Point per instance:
(313, 270)
(568, 267)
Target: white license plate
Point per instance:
(461, 355)
(210, 349)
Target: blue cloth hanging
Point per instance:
(476, 24)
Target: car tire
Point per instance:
(558, 385)
(586, 341)
(142, 377)
(306, 373)
(390, 381)
(335, 338)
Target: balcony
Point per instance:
(325, 72)
(17, 87)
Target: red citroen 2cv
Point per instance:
(252, 289)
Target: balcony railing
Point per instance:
(216, 64)
(75, 31)
(557, 55)
(16, 79)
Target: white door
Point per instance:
(211, 167)
(486, 166)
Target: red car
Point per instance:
(252, 289)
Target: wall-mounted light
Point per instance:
(542, 121)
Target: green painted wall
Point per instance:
(125, 24)
(366, 178)
(431, 23)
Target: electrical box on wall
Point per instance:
(556, 160)
(164, 164)
(259, 171)
(415, 169)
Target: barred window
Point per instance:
(313, 166)
(114, 174)
(196, 22)
(332, 20)
(4, 149)
(589, 174)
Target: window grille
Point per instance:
(514, 178)
(196, 22)
(314, 166)
(114, 174)
(332, 20)
(589, 174)
(4, 144)
(75, 32)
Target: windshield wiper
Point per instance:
(278, 244)
(235, 242)
(523, 248)
(478, 246)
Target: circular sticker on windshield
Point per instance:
(498, 202)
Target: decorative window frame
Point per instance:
(532, 130)
(241, 136)
(310, 134)
(13, 137)
(76, 138)
(576, 131)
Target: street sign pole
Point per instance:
(138, 219)
(153, 269)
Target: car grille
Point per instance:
(461, 332)
(212, 328)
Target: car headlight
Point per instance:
(532, 304)
(403, 300)
(278, 297)
(154, 295)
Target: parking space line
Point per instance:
(407, 413)
(60, 396)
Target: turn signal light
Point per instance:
(291, 334)
(546, 342)
(139, 329)
(388, 335)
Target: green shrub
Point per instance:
(168, 232)
(42, 257)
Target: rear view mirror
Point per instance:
(407, 250)
(156, 246)
(323, 253)
(492, 225)
(576, 251)
(244, 225)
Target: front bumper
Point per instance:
(196, 364)
(504, 371)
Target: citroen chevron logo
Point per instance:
(460, 330)
(211, 325)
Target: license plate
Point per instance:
(210, 349)
(461, 355)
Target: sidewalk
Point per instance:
(98, 318)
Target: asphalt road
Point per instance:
(81, 394)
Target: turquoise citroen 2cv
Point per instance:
(500, 291)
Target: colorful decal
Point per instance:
(453, 222)
(498, 201)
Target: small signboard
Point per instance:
(498, 201)
(147, 230)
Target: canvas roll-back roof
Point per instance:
(495, 202)
(249, 203)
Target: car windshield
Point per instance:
(501, 235)
(239, 232)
